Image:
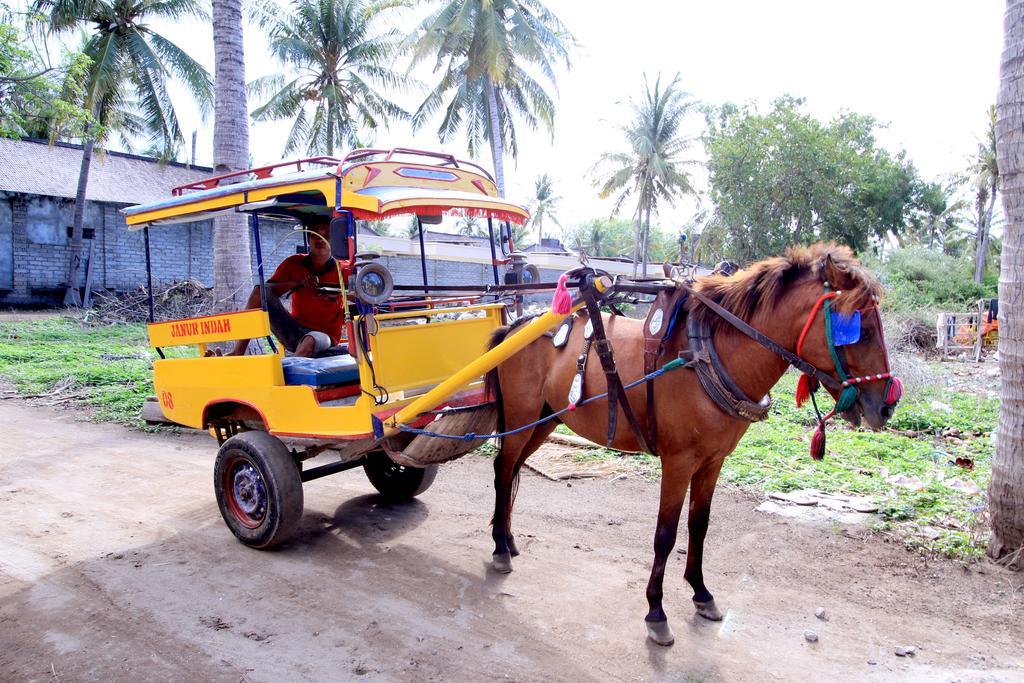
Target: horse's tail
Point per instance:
(492, 385)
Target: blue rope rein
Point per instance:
(470, 436)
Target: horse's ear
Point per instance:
(837, 275)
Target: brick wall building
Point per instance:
(37, 189)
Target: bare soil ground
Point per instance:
(115, 565)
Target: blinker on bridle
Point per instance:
(841, 330)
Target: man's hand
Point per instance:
(311, 281)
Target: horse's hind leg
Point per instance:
(674, 479)
(515, 449)
(702, 488)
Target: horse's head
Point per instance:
(842, 336)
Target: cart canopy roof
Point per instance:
(372, 184)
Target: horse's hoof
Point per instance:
(502, 562)
(708, 610)
(660, 632)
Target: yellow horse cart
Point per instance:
(405, 359)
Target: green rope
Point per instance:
(849, 393)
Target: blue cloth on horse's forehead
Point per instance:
(845, 328)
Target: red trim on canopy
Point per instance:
(497, 214)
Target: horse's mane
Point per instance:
(759, 286)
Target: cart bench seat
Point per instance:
(319, 372)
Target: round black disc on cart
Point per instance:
(397, 482)
(259, 489)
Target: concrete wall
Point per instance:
(34, 249)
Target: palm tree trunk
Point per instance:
(330, 128)
(638, 238)
(232, 269)
(982, 255)
(497, 149)
(1006, 491)
(72, 297)
(646, 243)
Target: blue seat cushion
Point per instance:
(319, 372)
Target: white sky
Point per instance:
(926, 68)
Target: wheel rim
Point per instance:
(246, 492)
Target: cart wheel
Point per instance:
(259, 489)
(397, 482)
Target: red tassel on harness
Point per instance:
(804, 386)
(894, 391)
(818, 442)
(561, 302)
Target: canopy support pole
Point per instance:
(494, 255)
(149, 283)
(259, 270)
(423, 253)
(149, 274)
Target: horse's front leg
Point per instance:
(674, 480)
(702, 488)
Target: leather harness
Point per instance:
(666, 314)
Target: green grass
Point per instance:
(774, 456)
(111, 371)
(111, 367)
(940, 517)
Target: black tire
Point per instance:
(397, 482)
(259, 489)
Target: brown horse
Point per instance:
(693, 435)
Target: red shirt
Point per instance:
(312, 308)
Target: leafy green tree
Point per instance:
(784, 178)
(38, 100)
(652, 169)
(487, 52)
(126, 84)
(544, 204)
(338, 54)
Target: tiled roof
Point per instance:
(34, 167)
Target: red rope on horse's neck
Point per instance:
(810, 320)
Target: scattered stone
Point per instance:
(940, 406)
(821, 614)
(810, 636)
(905, 651)
(795, 497)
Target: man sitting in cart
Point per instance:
(315, 321)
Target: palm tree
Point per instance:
(984, 177)
(339, 59)
(487, 51)
(1006, 492)
(127, 81)
(469, 225)
(543, 205)
(651, 170)
(231, 261)
(937, 215)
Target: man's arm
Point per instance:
(289, 276)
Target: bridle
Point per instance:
(847, 389)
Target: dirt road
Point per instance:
(115, 565)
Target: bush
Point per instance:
(921, 283)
